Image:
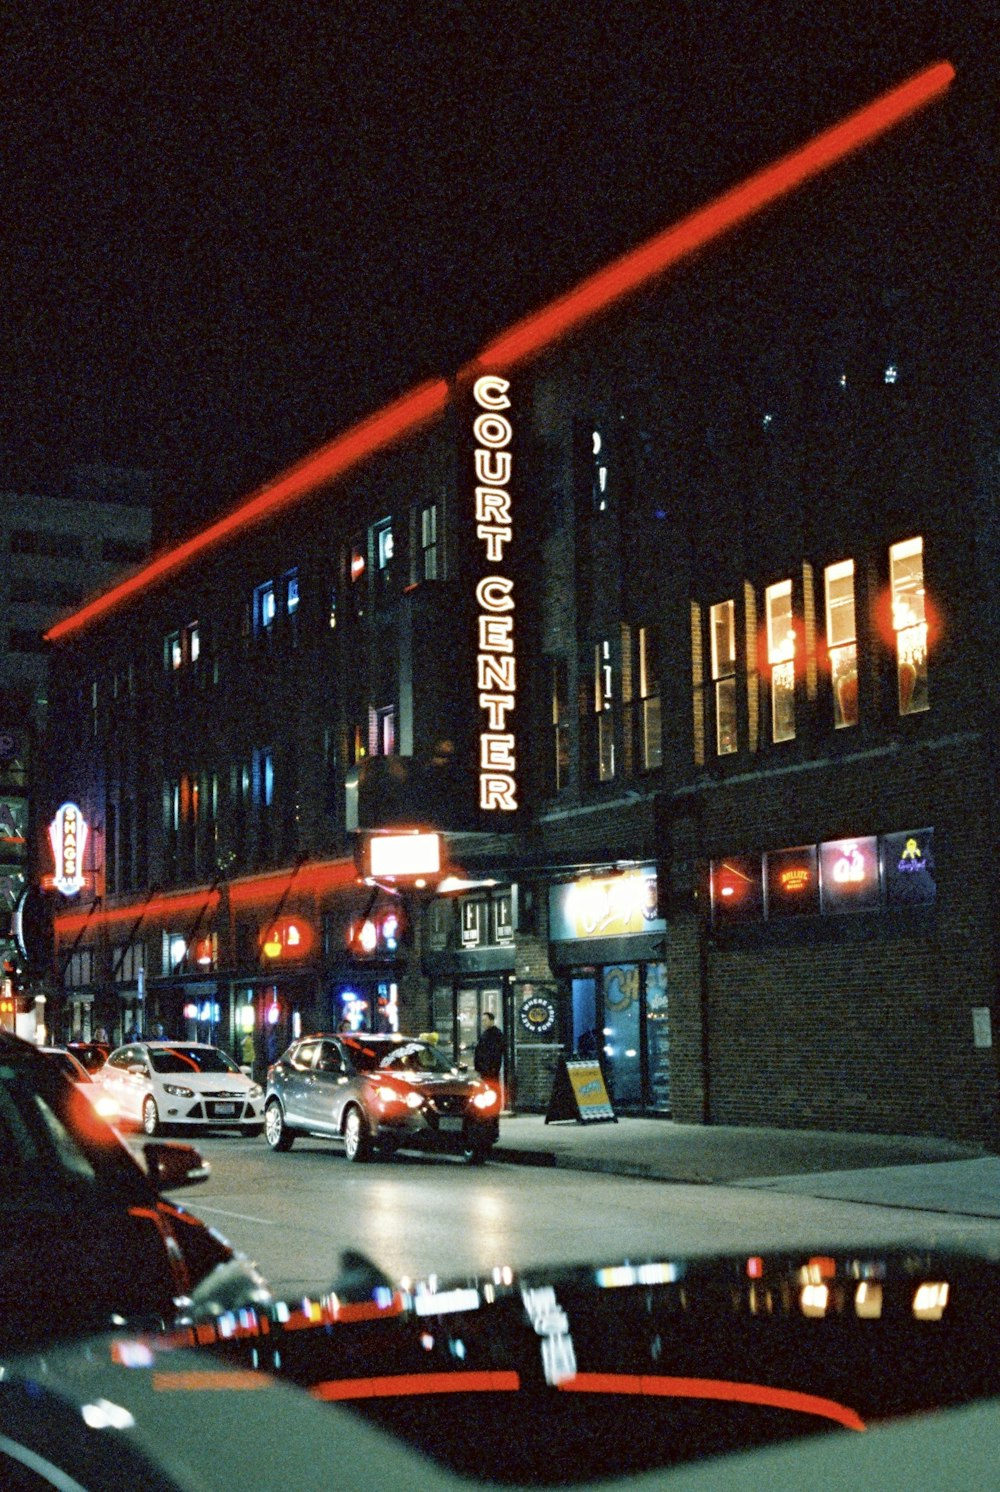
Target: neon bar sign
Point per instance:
(68, 835)
(496, 678)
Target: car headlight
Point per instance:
(106, 1106)
(178, 1091)
(486, 1100)
(255, 1092)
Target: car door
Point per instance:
(297, 1083)
(329, 1079)
(115, 1079)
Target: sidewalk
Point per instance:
(890, 1170)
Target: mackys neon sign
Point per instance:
(68, 835)
(496, 675)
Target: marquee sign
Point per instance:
(68, 835)
(496, 669)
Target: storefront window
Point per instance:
(908, 868)
(658, 1038)
(792, 882)
(623, 1066)
(737, 889)
(849, 874)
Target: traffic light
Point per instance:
(8, 1002)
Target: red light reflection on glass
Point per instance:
(761, 1394)
(532, 335)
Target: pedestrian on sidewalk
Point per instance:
(489, 1053)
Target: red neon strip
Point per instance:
(406, 1384)
(714, 1388)
(538, 331)
(333, 460)
(184, 902)
(327, 876)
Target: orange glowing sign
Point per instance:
(289, 937)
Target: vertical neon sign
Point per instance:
(496, 672)
(68, 835)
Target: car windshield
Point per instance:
(400, 1056)
(190, 1059)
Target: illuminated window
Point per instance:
(604, 710)
(384, 548)
(560, 723)
(599, 473)
(173, 655)
(429, 542)
(175, 948)
(841, 642)
(649, 699)
(383, 733)
(292, 592)
(263, 777)
(192, 642)
(357, 565)
(781, 657)
(263, 608)
(737, 886)
(792, 880)
(909, 621)
(722, 620)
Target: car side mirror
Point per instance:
(246, 1069)
(174, 1165)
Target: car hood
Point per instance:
(696, 1374)
(208, 1082)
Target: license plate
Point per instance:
(223, 1110)
(450, 1126)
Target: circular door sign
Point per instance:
(538, 1015)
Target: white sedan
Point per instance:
(187, 1084)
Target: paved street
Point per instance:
(293, 1213)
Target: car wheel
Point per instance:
(279, 1136)
(357, 1136)
(251, 1131)
(150, 1117)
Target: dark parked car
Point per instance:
(93, 1054)
(85, 1236)
(379, 1092)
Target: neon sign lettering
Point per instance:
(850, 868)
(68, 835)
(911, 859)
(795, 879)
(496, 668)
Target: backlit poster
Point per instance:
(849, 875)
(792, 882)
(908, 868)
(737, 888)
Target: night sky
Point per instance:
(230, 230)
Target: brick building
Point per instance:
(674, 621)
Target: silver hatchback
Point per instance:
(379, 1093)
